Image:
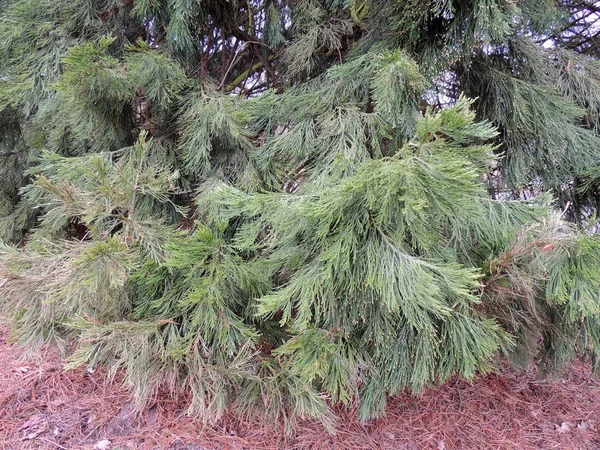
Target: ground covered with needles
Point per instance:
(44, 407)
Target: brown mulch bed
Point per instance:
(44, 407)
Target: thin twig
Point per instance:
(51, 442)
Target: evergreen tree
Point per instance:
(288, 205)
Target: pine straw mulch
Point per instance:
(44, 407)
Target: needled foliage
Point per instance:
(288, 207)
(543, 288)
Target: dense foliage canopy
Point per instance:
(288, 204)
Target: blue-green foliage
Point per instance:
(283, 206)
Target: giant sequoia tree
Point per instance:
(291, 204)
